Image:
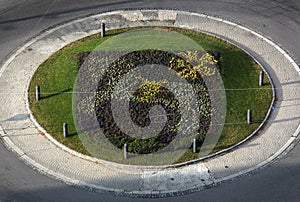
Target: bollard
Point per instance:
(125, 151)
(102, 30)
(65, 130)
(195, 145)
(261, 78)
(37, 93)
(249, 116)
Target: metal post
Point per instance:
(249, 116)
(37, 93)
(125, 151)
(195, 145)
(102, 30)
(261, 78)
(65, 129)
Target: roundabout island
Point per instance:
(57, 160)
(196, 80)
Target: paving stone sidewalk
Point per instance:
(20, 133)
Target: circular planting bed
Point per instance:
(149, 94)
(156, 98)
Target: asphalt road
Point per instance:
(279, 19)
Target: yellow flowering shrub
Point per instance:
(203, 64)
(149, 90)
(184, 69)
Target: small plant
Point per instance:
(149, 90)
(194, 63)
(183, 68)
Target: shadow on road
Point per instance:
(56, 14)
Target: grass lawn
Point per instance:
(239, 72)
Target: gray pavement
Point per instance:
(57, 161)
